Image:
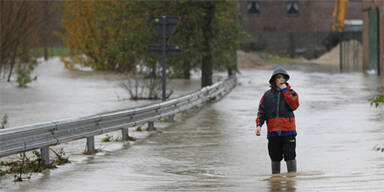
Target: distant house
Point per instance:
(297, 27)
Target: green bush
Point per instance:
(107, 138)
(377, 100)
(24, 73)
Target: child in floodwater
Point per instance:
(276, 108)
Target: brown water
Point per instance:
(215, 149)
(59, 94)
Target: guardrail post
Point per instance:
(151, 126)
(171, 118)
(91, 144)
(125, 134)
(44, 155)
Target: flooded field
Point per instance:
(59, 94)
(215, 148)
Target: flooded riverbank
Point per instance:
(60, 94)
(215, 149)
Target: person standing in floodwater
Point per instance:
(276, 108)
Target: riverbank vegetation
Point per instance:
(25, 165)
(25, 25)
(114, 35)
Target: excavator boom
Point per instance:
(339, 11)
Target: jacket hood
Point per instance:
(277, 71)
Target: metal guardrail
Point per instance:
(43, 135)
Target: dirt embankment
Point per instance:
(248, 60)
(330, 58)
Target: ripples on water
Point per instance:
(215, 149)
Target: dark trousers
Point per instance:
(280, 147)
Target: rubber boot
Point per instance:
(275, 167)
(291, 166)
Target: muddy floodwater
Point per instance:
(215, 149)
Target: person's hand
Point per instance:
(258, 130)
(282, 86)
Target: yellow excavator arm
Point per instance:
(339, 11)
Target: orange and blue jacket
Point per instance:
(276, 108)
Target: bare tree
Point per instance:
(145, 84)
(20, 24)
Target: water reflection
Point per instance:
(286, 183)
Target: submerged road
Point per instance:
(216, 149)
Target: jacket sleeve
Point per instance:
(291, 97)
(260, 114)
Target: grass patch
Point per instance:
(277, 59)
(107, 138)
(4, 122)
(164, 120)
(52, 52)
(2, 173)
(139, 129)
